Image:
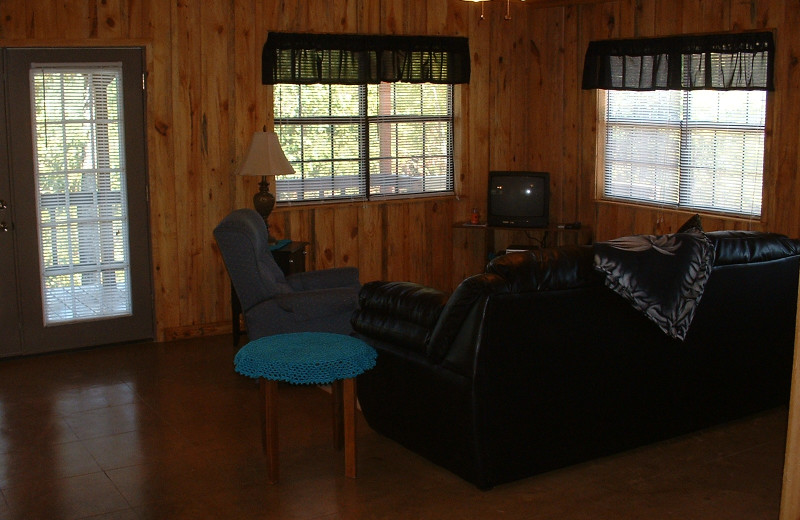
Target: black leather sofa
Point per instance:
(535, 364)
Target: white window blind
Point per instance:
(698, 149)
(80, 173)
(364, 141)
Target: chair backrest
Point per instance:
(243, 240)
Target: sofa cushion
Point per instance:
(661, 276)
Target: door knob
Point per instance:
(3, 227)
(3, 204)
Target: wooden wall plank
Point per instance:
(371, 260)
(742, 15)
(573, 190)
(369, 16)
(716, 15)
(397, 236)
(13, 15)
(346, 241)
(324, 238)
(163, 202)
(136, 19)
(645, 21)
(502, 105)
(692, 23)
(215, 139)
(416, 251)
(73, 20)
(187, 80)
(782, 178)
(437, 253)
(669, 14)
(110, 19)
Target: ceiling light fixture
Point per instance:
(508, 7)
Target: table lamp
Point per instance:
(265, 157)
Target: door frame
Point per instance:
(10, 338)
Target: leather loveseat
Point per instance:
(535, 364)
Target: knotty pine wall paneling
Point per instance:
(523, 109)
(161, 146)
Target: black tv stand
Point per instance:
(555, 234)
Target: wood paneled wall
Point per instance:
(523, 109)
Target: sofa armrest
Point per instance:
(401, 313)
(324, 279)
(457, 330)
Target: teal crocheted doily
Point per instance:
(305, 358)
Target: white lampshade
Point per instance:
(265, 157)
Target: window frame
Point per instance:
(364, 121)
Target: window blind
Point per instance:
(80, 174)
(410, 139)
(696, 149)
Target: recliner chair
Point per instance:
(314, 301)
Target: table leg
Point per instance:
(349, 392)
(338, 412)
(270, 392)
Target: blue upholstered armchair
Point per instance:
(314, 301)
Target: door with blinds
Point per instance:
(78, 197)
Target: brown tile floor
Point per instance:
(170, 431)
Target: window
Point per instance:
(80, 171)
(698, 149)
(683, 118)
(364, 141)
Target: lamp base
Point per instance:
(264, 201)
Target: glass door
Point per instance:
(78, 175)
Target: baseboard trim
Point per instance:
(197, 331)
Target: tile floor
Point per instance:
(168, 430)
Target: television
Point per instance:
(519, 199)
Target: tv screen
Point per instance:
(519, 199)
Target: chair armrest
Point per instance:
(324, 279)
(323, 310)
(401, 313)
(318, 302)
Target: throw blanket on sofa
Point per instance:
(662, 276)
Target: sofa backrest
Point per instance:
(744, 247)
(571, 267)
(565, 267)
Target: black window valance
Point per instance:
(716, 62)
(361, 59)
